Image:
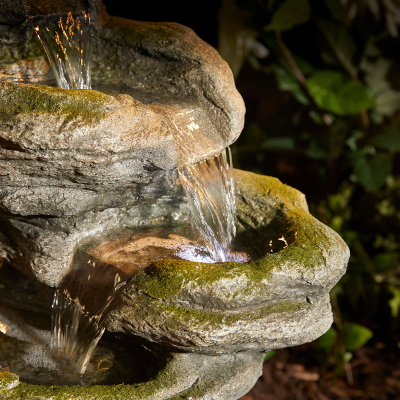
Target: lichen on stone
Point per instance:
(18, 99)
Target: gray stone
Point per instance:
(73, 162)
(25, 352)
(279, 299)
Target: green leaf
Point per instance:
(388, 140)
(386, 261)
(341, 43)
(327, 340)
(289, 14)
(288, 82)
(394, 302)
(371, 171)
(279, 143)
(269, 355)
(385, 97)
(355, 336)
(331, 93)
(315, 151)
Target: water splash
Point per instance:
(81, 305)
(209, 186)
(66, 40)
(87, 295)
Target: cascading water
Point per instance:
(66, 40)
(76, 323)
(81, 304)
(87, 294)
(209, 187)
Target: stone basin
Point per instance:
(225, 316)
(74, 162)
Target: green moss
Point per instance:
(258, 186)
(24, 99)
(200, 319)
(165, 379)
(7, 380)
(166, 279)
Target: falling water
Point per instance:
(209, 186)
(66, 39)
(81, 304)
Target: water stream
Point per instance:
(209, 187)
(66, 40)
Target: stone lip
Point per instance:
(58, 144)
(190, 88)
(193, 376)
(278, 300)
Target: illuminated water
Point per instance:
(209, 187)
(66, 40)
(92, 289)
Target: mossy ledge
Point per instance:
(307, 255)
(16, 99)
(276, 300)
(166, 379)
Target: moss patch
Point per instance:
(199, 319)
(18, 99)
(164, 380)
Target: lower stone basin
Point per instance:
(214, 322)
(279, 299)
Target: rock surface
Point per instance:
(149, 372)
(74, 163)
(191, 376)
(277, 300)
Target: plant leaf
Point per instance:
(341, 43)
(289, 14)
(394, 302)
(269, 355)
(355, 336)
(327, 340)
(387, 101)
(342, 98)
(389, 140)
(371, 171)
(288, 82)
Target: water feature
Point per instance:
(66, 40)
(209, 187)
(87, 294)
(100, 271)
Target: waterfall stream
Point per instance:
(66, 40)
(209, 187)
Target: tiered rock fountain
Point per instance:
(85, 176)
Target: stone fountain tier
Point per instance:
(279, 299)
(191, 88)
(223, 316)
(76, 162)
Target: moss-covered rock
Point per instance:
(279, 299)
(184, 376)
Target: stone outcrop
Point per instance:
(223, 316)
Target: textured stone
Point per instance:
(186, 376)
(44, 246)
(277, 300)
(151, 372)
(73, 162)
